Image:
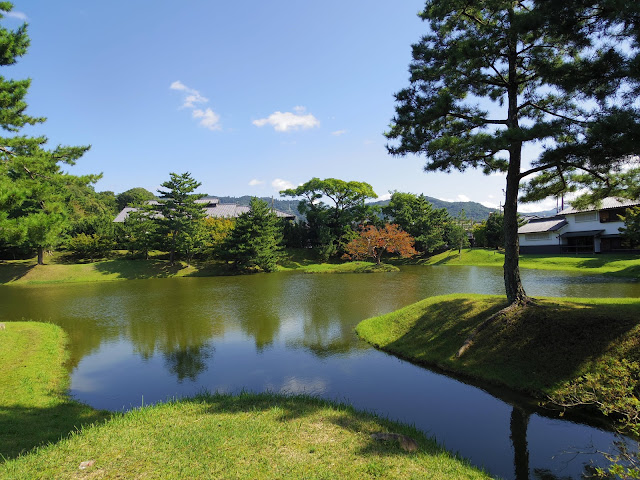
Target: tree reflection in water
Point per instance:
(189, 361)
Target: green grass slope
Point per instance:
(536, 350)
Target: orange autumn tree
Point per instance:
(372, 242)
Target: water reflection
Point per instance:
(519, 423)
(188, 362)
(156, 339)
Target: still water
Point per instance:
(143, 341)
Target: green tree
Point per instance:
(34, 190)
(133, 196)
(541, 70)
(331, 225)
(495, 230)
(178, 212)
(141, 232)
(631, 229)
(417, 216)
(456, 232)
(254, 242)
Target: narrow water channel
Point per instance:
(143, 341)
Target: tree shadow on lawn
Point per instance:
(538, 348)
(134, 269)
(296, 407)
(139, 269)
(22, 428)
(10, 272)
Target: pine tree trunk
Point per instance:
(40, 255)
(512, 283)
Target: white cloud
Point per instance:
(192, 96)
(208, 119)
(337, 133)
(287, 121)
(463, 198)
(280, 184)
(386, 196)
(489, 204)
(547, 204)
(255, 181)
(18, 15)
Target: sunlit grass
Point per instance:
(627, 265)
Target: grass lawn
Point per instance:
(34, 408)
(536, 350)
(210, 436)
(60, 270)
(626, 265)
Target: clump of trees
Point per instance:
(333, 208)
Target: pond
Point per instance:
(141, 341)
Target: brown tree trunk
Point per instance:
(40, 255)
(512, 283)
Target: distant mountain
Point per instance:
(473, 210)
(545, 213)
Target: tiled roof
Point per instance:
(543, 225)
(605, 204)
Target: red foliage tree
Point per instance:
(372, 242)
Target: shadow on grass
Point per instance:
(10, 272)
(22, 429)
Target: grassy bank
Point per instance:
(59, 269)
(211, 436)
(538, 350)
(34, 407)
(610, 264)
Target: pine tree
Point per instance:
(255, 239)
(179, 214)
(34, 190)
(553, 74)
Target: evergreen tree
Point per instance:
(255, 239)
(631, 229)
(555, 75)
(133, 196)
(416, 216)
(34, 190)
(179, 214)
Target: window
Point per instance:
(586, 217)
(607, 216)
(537, 236)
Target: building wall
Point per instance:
(591, 221)
(530, 240)
(544, 249)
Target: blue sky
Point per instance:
(249, 96)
